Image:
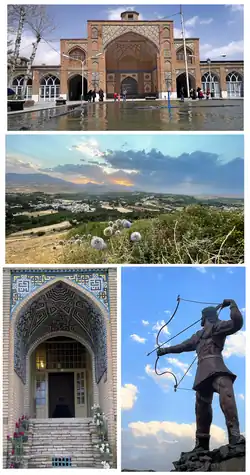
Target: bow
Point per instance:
(158, 345)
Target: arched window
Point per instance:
(17, 86)
(234, 82)
(77, 54)
(181, 57)
(49, 88)
(210, 81)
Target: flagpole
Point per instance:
(185, 51)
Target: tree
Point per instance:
(35, 19)
(41, 24)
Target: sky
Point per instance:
(219, 27)
(181, 164)
(158, 423)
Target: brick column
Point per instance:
(112, 276)
(6, 357)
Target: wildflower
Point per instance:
(118, 222)
(110, 223)
(108, 232)
(117, 233)
(126, 223)
(115, 227)
(135, 237)
(98, 243)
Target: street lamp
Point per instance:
(83, 62)
(209, 69)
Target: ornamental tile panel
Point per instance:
(93, 280)
(111, 32)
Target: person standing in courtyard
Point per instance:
(94, 95)
(101, 94)
(212, 375)
(182, 91)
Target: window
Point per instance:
(130, 16)
(77, 54)
(40, 390)
(181, 57)
(80, 388)
(61, 355)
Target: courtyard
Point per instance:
(223, 114)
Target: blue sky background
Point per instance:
(149, 295)
(193, 164)
(219, 27)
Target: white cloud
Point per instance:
(229, 270)
(158, 325)
(191, 22)
(232, 49)
(201, 269)
(137, 338)
(206, 21)
(128, 396)
(241, 396)
(165, 381)
(145, 322)
(235, 8)
(48, 54)
(179, 364)
(156, 444)
(235, 345)
(167, 312)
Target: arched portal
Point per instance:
(60, 330)
(75, 88)
(210, 81)
(130, 86)
(49, 88)
(181, 82)
(133, 56)
(17, 86)
(234, 82)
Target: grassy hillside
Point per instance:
(195, 235)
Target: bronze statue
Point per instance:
(212, 374)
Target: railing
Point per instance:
(16, 444)
(103, 445)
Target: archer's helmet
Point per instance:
(210, 314)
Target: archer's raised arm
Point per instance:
(187, 345)
(229, 327)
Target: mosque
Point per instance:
(142, 57)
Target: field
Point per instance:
(195, 235)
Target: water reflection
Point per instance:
(215, 115)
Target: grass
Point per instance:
(196, 235)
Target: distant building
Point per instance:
(141, 57)
(59, 344)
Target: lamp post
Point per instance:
(209, 65)
(185, 51)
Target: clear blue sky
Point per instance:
(219, 27)
(150, 294)
(193, 164)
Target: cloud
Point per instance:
(234, 49)
(158, 325)
(235, 345)
(156, 444)
(47, 52)
(137, 338)
(241, 396)
(201, 269)
(128, 396)
(206, 21)
(229, 270)
(145, 322)
(235, 8)
(183, 366)
(15, 164)
(166, 381)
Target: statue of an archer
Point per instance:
(212, 374)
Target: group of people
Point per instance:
(91, 96)
(123, 95)
(198, 93)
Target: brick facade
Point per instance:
(17, 393)
(144, 54)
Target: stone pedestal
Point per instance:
(226, 458)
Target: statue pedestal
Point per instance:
(226, 458)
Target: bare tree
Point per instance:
(16, 19)
(41, 25)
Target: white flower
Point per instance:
(135, 237)
(98, 243)
(117, 233)
(107, 450)
(115, 227)
(108, 231)
(89, 236)
(119, 222)
(110, 223)
(97, 422)
(98, 414)
(126, 223)
(101, 450)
